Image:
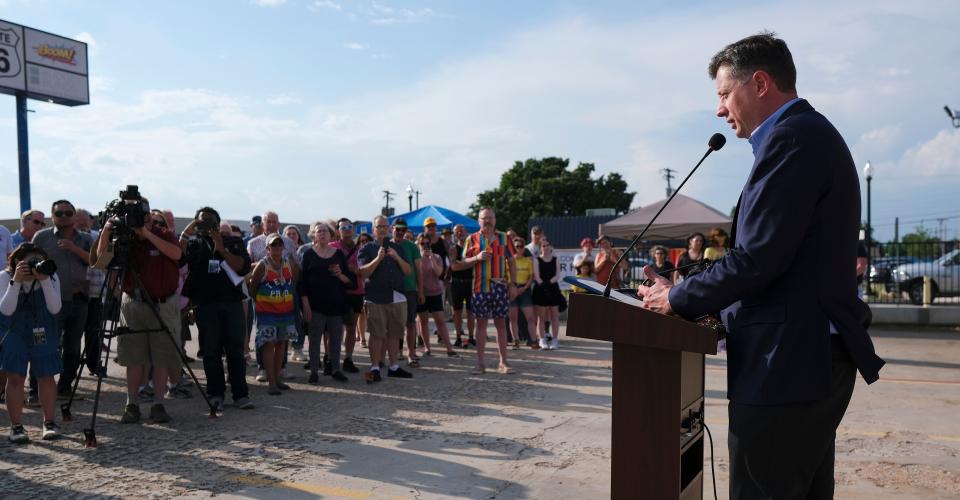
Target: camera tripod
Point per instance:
(108, 328)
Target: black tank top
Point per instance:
(548, 269)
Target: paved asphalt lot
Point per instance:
(542, 432)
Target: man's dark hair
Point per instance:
(344, 219)
(53, 207)
(208, 210)
(763, 51)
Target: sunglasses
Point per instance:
(400, 229)
(346, 227)
(63, 213)
(39, 222)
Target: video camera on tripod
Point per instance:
(127, 213)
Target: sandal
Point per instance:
(413, 364)
(505, 370)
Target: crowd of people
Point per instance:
(281, 290)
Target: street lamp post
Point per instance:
(410, 196)
(868, 174)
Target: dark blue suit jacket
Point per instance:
(791, 268)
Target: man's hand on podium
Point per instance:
(655, 297)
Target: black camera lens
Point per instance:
(46, 267)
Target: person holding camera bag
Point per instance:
(29, 301)
(154, 257)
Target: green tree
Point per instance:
(920, 243)
(547, 187)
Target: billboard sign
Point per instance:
(43, 66)
(12, 77)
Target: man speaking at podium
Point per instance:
(788, 291)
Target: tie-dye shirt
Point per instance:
(274, 303)
(494, 269)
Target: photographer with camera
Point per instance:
(29, 302)
(153, 255)
(70, 249)
(216, 264)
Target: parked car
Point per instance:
(881, 269)
(944, 272)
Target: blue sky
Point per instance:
(312, 108)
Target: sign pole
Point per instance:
(23, 153)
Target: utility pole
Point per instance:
(668, 175)
(387, 196)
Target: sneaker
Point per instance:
(555, 344)
(158, 414)
(282, 386)
(146, 391)
(340, 377)
(274, 390)
(32, 400)
(131, 414)
(18, 435)
(244, 403)
(399, 373)
(372, 376)
(314, 378)
(413, 364)
(178, 392)
(543, 344)
(349, 367)
(458, 343)
(217, 403)
(50, 430)
(261, 376)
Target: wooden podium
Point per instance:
(658, 383)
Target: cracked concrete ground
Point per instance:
(542, 432)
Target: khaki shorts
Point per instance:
(153, 347)
(387, 320)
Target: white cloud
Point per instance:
(355, 46)
(325, 4)
(284, 100)
(268, 3)
(402, 16)
(940, 155)
(93, 48)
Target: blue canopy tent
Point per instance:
(445, 217)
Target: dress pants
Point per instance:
(787, 451)
(221, 329)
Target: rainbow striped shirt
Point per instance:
(494, 269)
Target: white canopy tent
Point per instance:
(683, 216)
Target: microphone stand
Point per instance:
(716, 142)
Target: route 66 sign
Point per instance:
(11, 48)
